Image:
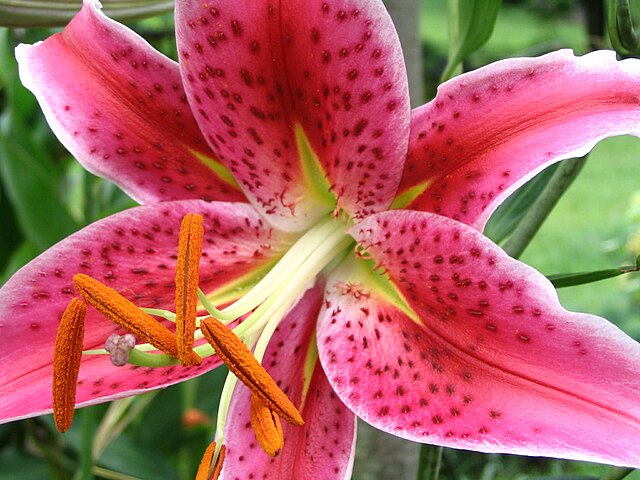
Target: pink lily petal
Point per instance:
(133, 252)
(255, 70)
(490, 362)
(489, 131)
(324, 446)
(119, 107)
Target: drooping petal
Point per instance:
(489, 131)
(481, 355)
(324, 446)
(274, 84)
(119, 107)
(133, 252)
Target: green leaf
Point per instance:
(50, 13)
(19, 257)
(622, 34)
(572, 279)
(132, 458)
(509, 214)
(33, 192)
(476, 20)
(16, 465)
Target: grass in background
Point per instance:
(587, 231)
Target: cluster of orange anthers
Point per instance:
(268, 402)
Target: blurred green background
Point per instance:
(45, 195)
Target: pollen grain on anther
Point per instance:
(67, 355)
(187, 277)
(205, 464)
(125, 314)
(267, 427)
(237, 356)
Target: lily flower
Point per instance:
(332, 237)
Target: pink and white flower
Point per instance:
(287, 126)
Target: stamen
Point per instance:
(67, 354)
(237, 356)
(205, 463)
(187, 277)
(267, 427)
(217, 467)
(124, 313)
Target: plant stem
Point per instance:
(430, 459)
(86, 457)
(532, 221)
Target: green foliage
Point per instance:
(573, 279)
(622, 34)
(45, 195)
(508, 215)
(471, 24)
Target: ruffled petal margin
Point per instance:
(489, 131)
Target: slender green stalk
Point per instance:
(86, 457)
(537, 214)
(111, 475)
(119, 415)
(430, 460)
(453, 25)
(572, 279)
(189, 393)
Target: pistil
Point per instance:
(187, 277)
(67, 354)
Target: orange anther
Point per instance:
(205, 463)
(187, 277)
(267, 427)
(124, 313)
(237, 356)
(217, 468)
(67, 354)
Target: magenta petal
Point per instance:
(120, 108)
(324, 446)
(133, 252)
(490, 361)
(489, 131)
(254, 70)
